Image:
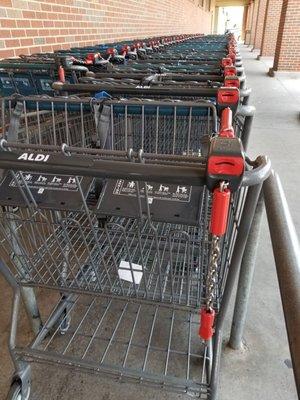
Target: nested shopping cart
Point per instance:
(136, 214)
(220, 96)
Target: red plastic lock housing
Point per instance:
(230, 70)
(226, 128)
(111, 51)
(219, 212)
(226, 62)
(232, 56)
(207, 319)
(232, 81)
(222, 165)
(228, 96)
(61, 74)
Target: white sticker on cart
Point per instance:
(130, 274)
(42, 182)
(155, 191)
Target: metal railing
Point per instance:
(286, 252)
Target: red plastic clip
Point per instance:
(61, 74)
(225, 165)
(232, 81)
(232, 56)
(226, 62)
(125, 49)
(90, 58)
(230, 70)
(219, 212)
(111, 51)
(228, 96)
(226, 129)
(207, 319)
(231, 48)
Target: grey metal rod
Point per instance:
(286, 251)
(29, 299)
(150, 91)
(236, 259)
(246, 131)
(245, 279)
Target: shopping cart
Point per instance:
(133, 241)
(37, 76)
(34, 74)
(100, 57)
(235, 98)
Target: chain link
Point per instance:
(212, 272)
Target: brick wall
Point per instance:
(260, 24)
(287, 53)
(28, 26)
(271, 25)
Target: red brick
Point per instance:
(8, 23)
(32, 32)
(16, 33)
(6, 3)
(12, 43)
(48, 23)
(23, 23)
(26, 42)
(5, 33)
(7, 53)
(46, 7)
(29, 14)
(37, 24)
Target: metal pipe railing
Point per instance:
(286, 251)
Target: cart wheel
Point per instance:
(15, 392)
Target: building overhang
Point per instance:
(230, 3)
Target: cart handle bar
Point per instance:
(193, 174)
(113, 90)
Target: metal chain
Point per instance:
(211, 279)
(212, 275)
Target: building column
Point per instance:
(287, 52)
(259, 24)
(271, 25)
(216, 19)
(244, 26)
(249, 21)
(254, 21)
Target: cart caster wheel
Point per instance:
(15, 392)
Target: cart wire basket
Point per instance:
(120, 124)
(109, 203)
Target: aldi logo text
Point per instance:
(34, 157)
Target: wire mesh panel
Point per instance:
(164, 127)
(42, 120)
(140, 343)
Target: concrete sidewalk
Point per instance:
(262, 371)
